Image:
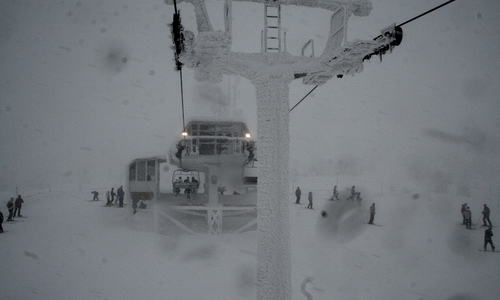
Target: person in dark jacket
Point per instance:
(372, 214)
(335, 193)
(17, 206)
(96, 196)
(120, 193)
(310, 198)
(297, 195)
(487, 239)
(486, 216)
(464, 207)
(353, 193)
(10, 207)
(1, 222)
(112, 195)
(468, 218)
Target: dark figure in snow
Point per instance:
(1, 222)
(486, 216)
(353, 194)
(112, 195)
(487, 239)
(358, 197)
(96, 196)
(17, 206)
(310, 198)
(108, 198)
(120, 194)
(372, 214)
(335, 193)
(10, 207)
(464, 207)
(187, 191)
(297, 195)
(468, 218)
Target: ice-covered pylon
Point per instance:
(209, 54)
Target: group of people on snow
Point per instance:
(467, 221)
(110, 197)
(354, 195)
(14, 208)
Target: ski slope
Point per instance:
(72, 248)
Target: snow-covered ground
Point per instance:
(70, 248)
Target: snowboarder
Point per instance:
(487, 239)
(10, 206)
(1, 221)
(353, 193)
(310, 198)
(372, 213)
(17, 206)
(464, 207)
(297, 194)
(335, 193)
(486, 216)
(468, 218)
(120, 195)
(108, 198)
(112, 195)
(96, 196)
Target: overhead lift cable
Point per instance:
(404, 23)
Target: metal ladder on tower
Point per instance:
(272, 27)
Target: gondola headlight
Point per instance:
(248, 135)
(184, 133)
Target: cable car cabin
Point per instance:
(214, 138)
(186, 179)
(249, 173)
(143, 178)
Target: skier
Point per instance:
(297, 194)
(10, 206)
(120, 195)
(1, 221)
(468, 218)
(112, 195)
(108, 198)
(372, 213)
(353, 193)
(96, 196)
(18, 204)
(486, 216)
(464, 206)
(335, 193)
(310, 198)
(487, 239)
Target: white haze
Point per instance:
(87, 86)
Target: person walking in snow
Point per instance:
(298, 192)
(108, 198)
(10, 207)
(487, 239)
(1, 222)
(353, 194)
(310, 198)
(120, 193)
(358, 197)
(17, 206)
(372, 213)
(112, 195)
(468, 218)
(96, 196)
(486, 216)
(335, 193)
(464, 207)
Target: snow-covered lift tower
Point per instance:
(209, 54)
